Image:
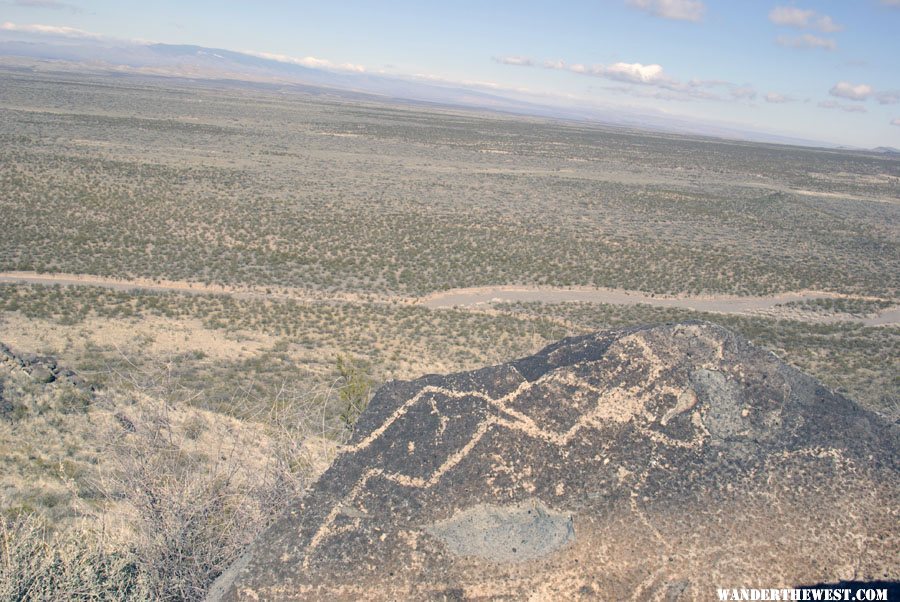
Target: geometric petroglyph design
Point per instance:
(631, 464)
(612, 401)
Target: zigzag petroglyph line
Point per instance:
(325, 530)
(617, 403)
(500, 403)
(639, 592)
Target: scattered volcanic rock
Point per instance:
(48, 376)
(41, 368)
(645, 463)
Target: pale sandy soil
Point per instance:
(166, 337)
(485, 296)
(840, 195)
(767, 306)
(157, 335)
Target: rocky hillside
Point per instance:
(648, 463)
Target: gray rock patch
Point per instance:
(723, 403)
(505, 533)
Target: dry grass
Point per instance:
(37, 564)
(158, 498)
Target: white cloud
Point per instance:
(888, 97)
(743, 92)
(708, 83)
(631, 72)
(308, 61)
(635, 73)
(791, 16)
(55, 30)
(652, 75)
(862, 92)
(851, 91)
(678, 10)
(896, 120)
(826, 24)
(807, 40)
(67, 32)
(520, 61)
(776, 98)
(833, 104)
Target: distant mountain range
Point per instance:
(200, 63)
(197, 62)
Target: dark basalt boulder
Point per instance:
(42, 369)
(645, 463)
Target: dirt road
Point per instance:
(482, 298)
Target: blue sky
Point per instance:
(821, 70)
